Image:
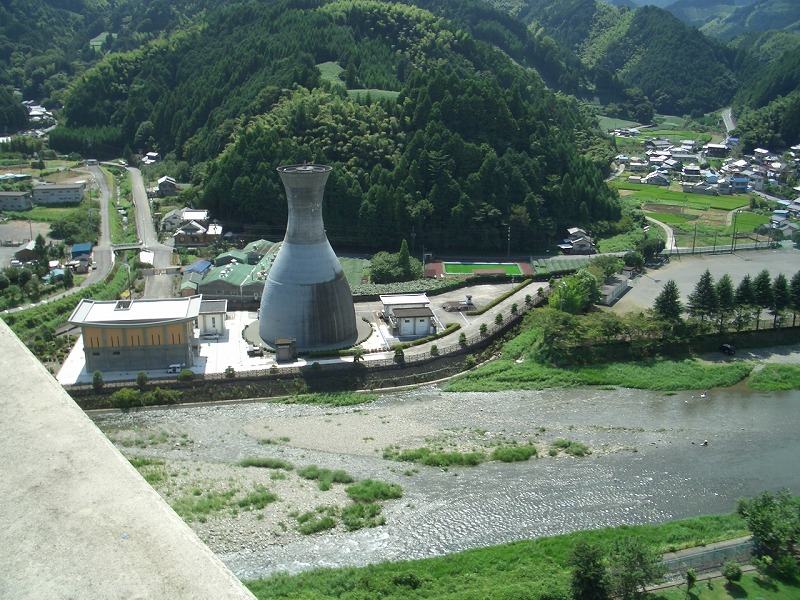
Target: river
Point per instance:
(648, 464)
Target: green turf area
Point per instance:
(332, 72)
(607, 123)
(668, 218)
(751, 586)
(354, 269)
(651, 193)
(452, 268)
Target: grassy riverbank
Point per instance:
(657, 374)
(529, 569)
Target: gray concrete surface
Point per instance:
(78, 520)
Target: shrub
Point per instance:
(514, 453)
(483, 329)
(570, 447)
(186, 375)
(434, 350)
(313, 522)
(369, 490)
(97, 381)
(125, 398)
(257, 499)
(266, 463)
(230, 373)
(731, 571)
(325, 477)
(141, 380)
(425, 457)
(159, 397)
(359, 516)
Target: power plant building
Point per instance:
(306, 296)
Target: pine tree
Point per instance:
(727, 300)
(589, 576)
(668, 303)
(781, 297)
(703, 301)
(794, 291)
(762, 292)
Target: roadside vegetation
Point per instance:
(37, 326)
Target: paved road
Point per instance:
(159, 285)
(727, 119)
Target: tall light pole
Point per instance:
(733, 241)
(508, 249)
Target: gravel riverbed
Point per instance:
(646, 466)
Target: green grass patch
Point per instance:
(266, 463)
(257, 499)
(46, 214)
(429, 458)
(571, 448)
(354, 269)
(361, 516)
(454, 268)
(198, 506)
(606, 123)
(670, 218)
(514, 453)
(659, 374)
(368, 491)
(331, 71)
(772, 378)
(747, 222)
(527, 569)
(315, 521)
(151, 469)
(375, 94)
(330, 398)
(750, 586)
(325, 477)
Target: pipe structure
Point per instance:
(306, 295)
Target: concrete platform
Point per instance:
(78, 520)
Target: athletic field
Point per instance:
(459, 268)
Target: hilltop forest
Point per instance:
(457, 124)
(454, 142)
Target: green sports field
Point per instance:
(457, 268)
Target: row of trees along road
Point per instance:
(720, 304)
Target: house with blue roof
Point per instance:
(83, 249)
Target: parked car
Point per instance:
(255, 350)
(727, 349)
(211, 336)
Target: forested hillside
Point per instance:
(473, 144)
(761, 15)
(45, 43)
(677, 68)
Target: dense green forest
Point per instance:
(679, 70)
(466, 151)
(467, 134)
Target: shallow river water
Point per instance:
(648, 466)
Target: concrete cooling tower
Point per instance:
(306, 296)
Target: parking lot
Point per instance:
(686, 272)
